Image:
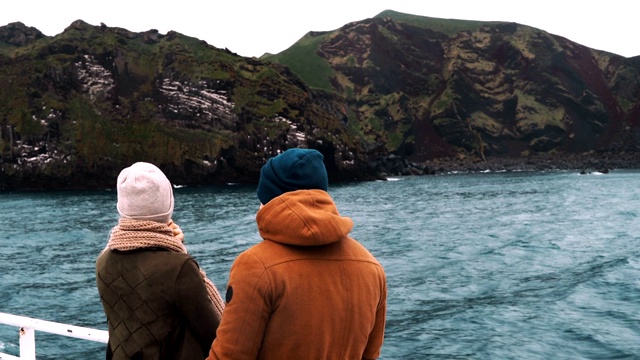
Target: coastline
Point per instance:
(380, 169)
(584, 163)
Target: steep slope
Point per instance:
(429, 88)
(78, 107)
(394, 94)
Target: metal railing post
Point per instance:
(28, 327)
(27, 343)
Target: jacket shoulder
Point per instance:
(147, 263)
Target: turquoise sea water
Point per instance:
(483, 266)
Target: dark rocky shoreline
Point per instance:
(384, 168)
(582, 163)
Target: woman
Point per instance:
(158, 302)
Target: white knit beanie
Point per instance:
(145, 193)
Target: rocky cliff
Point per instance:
(429, 89)
(394, 94)
(78, 107)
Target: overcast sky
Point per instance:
(254, 27)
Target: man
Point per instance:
(308, 290)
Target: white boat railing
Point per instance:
(27, 327)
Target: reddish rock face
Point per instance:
(456, 88)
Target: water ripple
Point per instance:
(491, 266)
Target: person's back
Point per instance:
(308, 291)
(159, 304)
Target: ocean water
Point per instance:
(528, 265)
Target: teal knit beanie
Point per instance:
(294, 169)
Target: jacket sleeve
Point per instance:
(246, 312)
(376, 337)
(193, 302)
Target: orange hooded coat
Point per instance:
(307, 291)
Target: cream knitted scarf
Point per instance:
(132, 234)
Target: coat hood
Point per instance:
(303, 218)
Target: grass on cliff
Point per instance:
(303, 61)
(447, 26)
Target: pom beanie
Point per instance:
(145, 193)
(294, 169)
